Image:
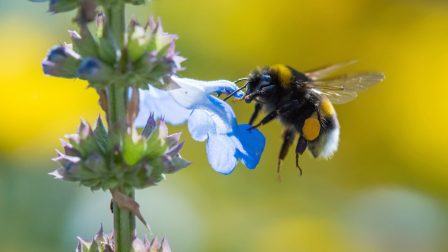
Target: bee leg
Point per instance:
(255, 113)
(280, 110)
(288, 138)
(300, 148)
(271, 116)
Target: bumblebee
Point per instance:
(303, 102)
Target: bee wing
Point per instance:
(320, 73)
(345, 88)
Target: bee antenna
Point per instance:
(236, 91)
(240, 80)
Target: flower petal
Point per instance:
(186, 93)
(250, 145)
(212, 117)
(200, 124)
(160, 103)
(209, 87)
(221, 113)
(190, 92)
(221, 153)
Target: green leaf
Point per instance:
(84, 43)
(100, 135)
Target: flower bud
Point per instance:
(138, 41)
(106, 45)
(144, 161)
(62, 61)
(153, 54)
(95, 71)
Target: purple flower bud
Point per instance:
(61, 61)
(89, 66)
(95, 71)
(150, 126)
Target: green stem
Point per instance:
(116, 20)
(124, 227)
(117, 103)
(117, 99)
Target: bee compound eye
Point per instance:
(266, 78)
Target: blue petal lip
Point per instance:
(252, 145)
(217, 123)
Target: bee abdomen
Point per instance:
(328, 140)
(326, 108)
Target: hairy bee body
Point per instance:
(302, 102)
(299, 109)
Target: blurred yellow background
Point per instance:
(386, 189)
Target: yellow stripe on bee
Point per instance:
(311, 128)
(326, 107)
(284, 74)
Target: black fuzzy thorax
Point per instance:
(294, 117)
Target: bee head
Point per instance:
(258, 79)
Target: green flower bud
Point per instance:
(138, 41)
(145, 159)
(106, 45)
(152, 53)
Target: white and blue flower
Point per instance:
(209, 119)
